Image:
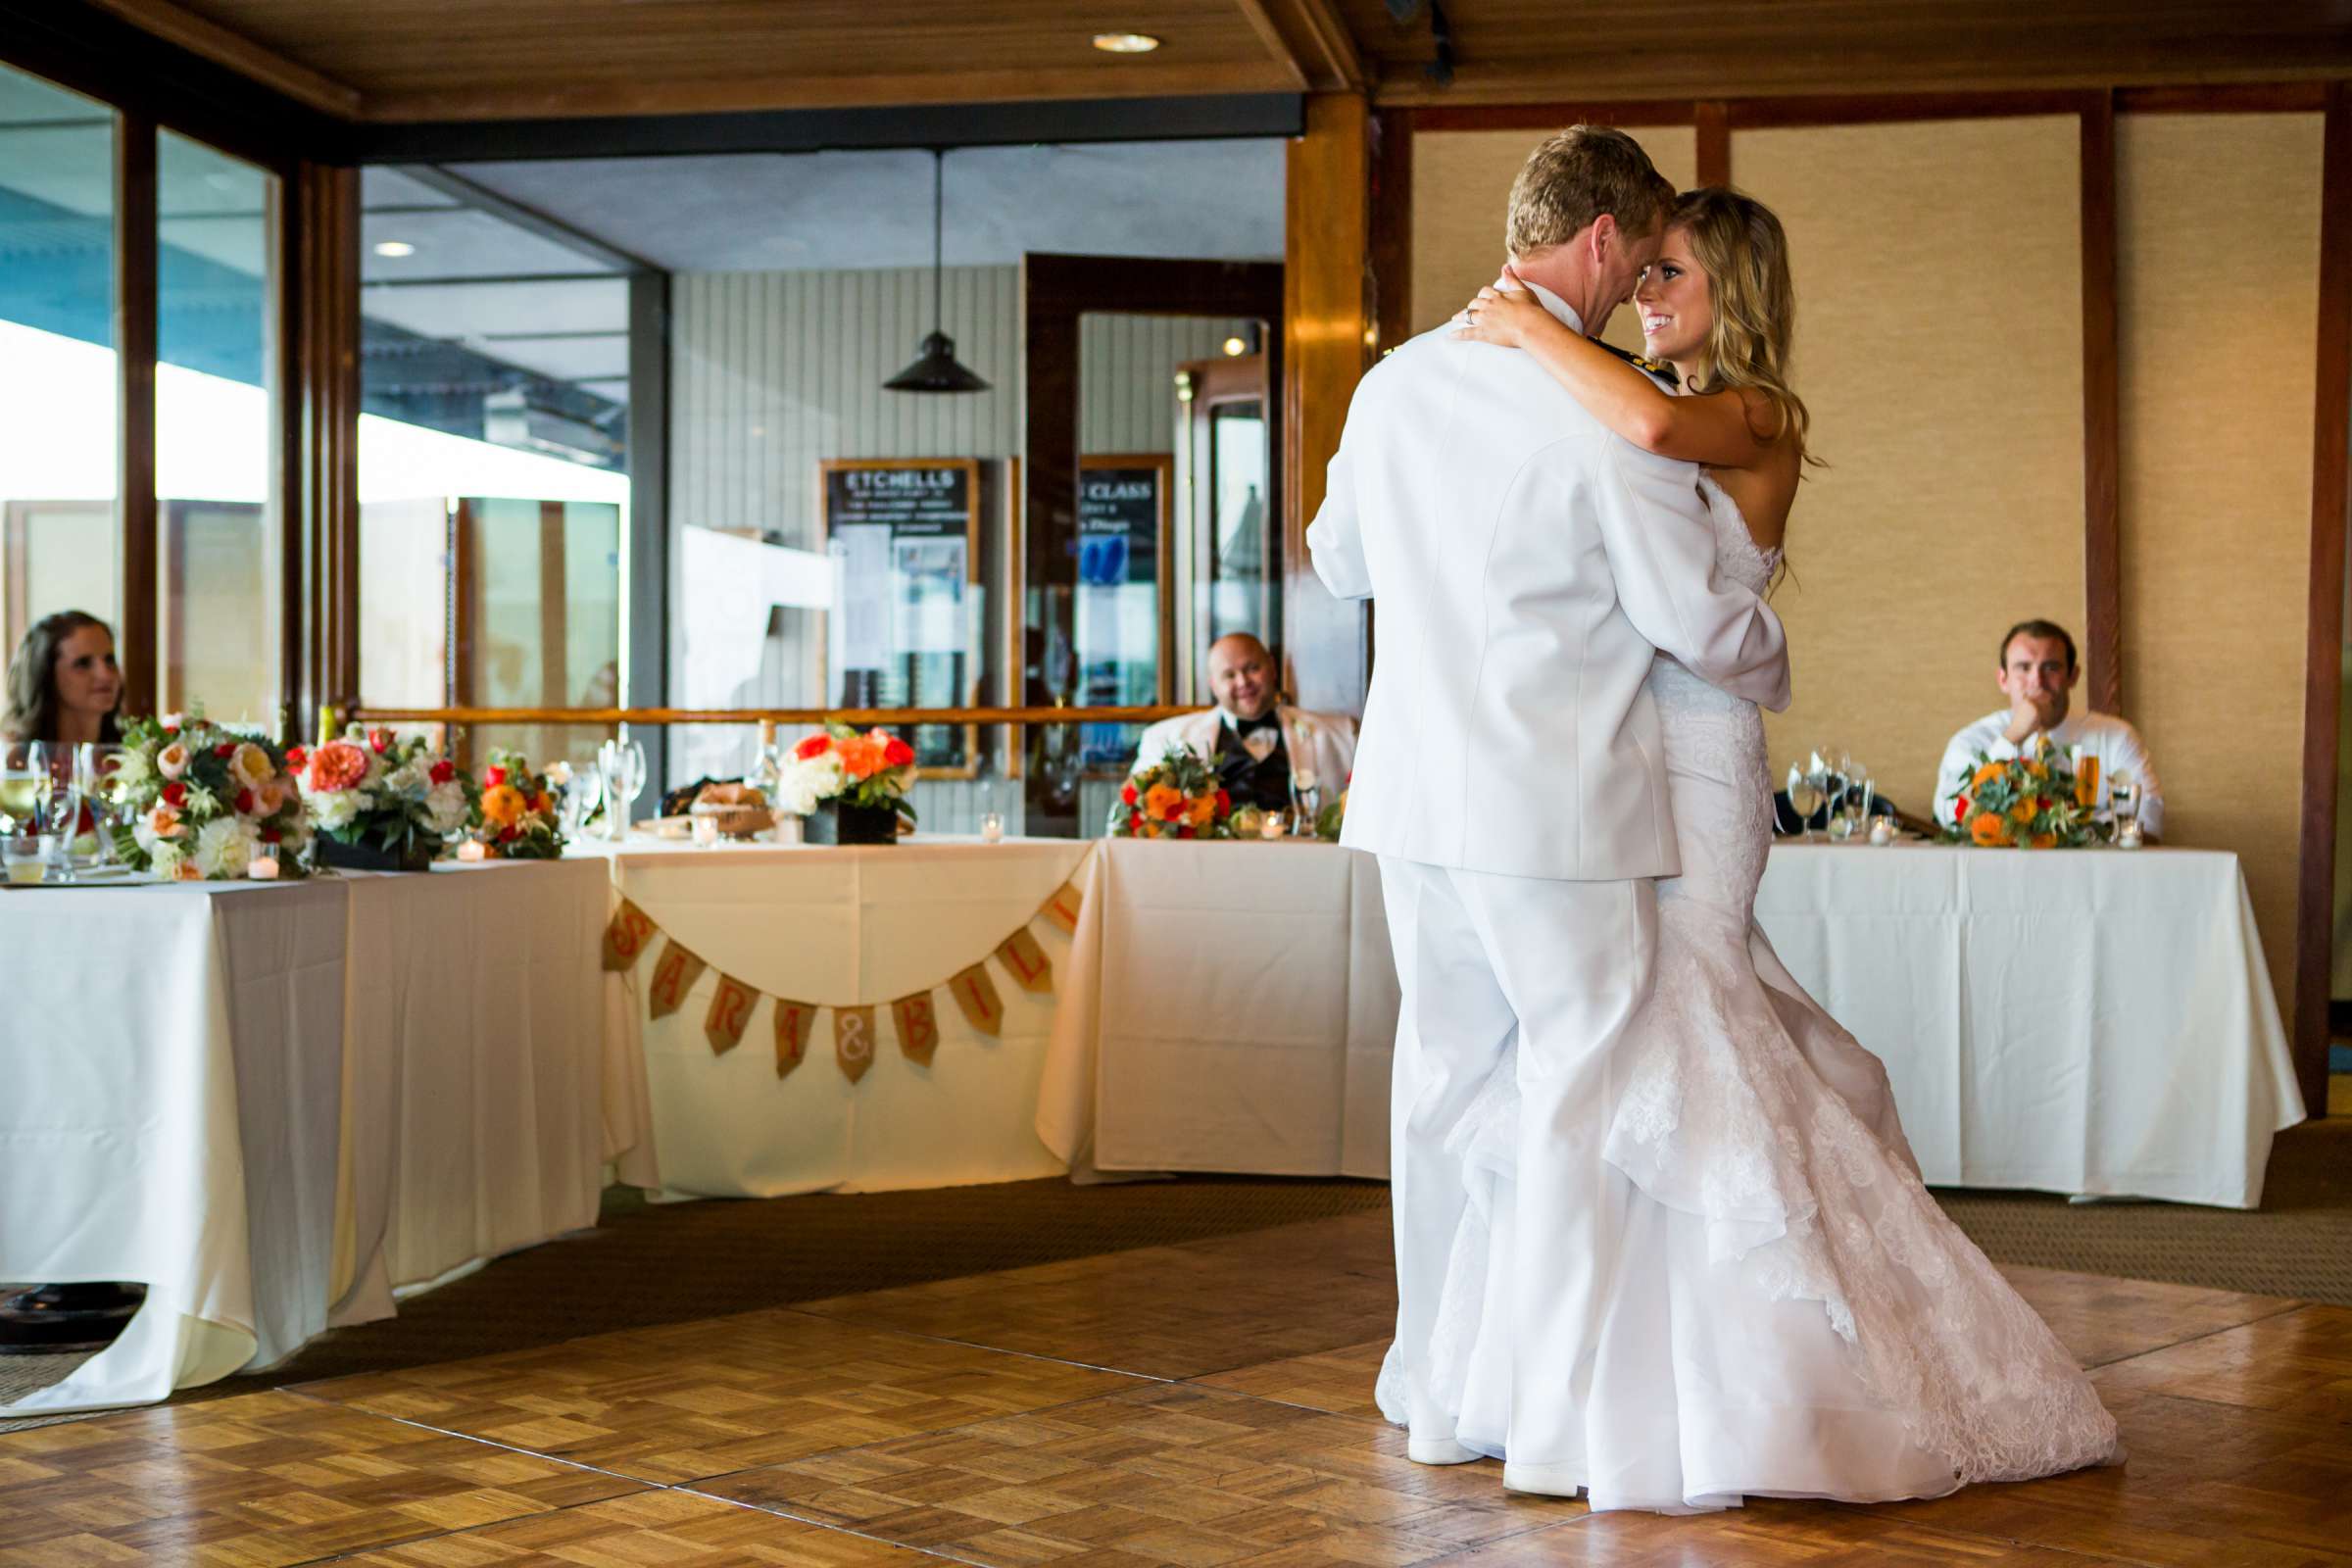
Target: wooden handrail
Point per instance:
(373, 714)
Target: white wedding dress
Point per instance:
(1789, 1313)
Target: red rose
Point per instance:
(811, 746)
(1128, 795)
(2041, 803)
(270, 835)
(507, 835)
(380, 740)
(225, 749)
(1960, 810)
(175, 794)
(897, 754)
(244, 803)
(1224, 803)
(444, 770)
(1135, 821)
(1175, 813)
(295, 757)
(493, 777)
(172, 731)
(1185, 832)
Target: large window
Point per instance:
(59, 544)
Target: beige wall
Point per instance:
(1938, 344)
(1461, 189)
(2218, 218)
(1938, 276)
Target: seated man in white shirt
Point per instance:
(2037, 675)
(1256, 744)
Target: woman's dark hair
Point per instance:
(32, 679)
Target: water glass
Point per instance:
(24, 857)
(24, 779)
(992, 827)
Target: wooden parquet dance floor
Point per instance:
(1205, 1405)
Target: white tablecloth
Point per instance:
(856, 926)
(173, 1062)
(2093, 1021)
(177, 1060)
(1232, 1007)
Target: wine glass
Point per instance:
(1805, 797)
(95, 763)
(578, 802)
(24, 777)
(623, 763)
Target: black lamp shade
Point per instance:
(937, 371)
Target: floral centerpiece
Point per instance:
(379, 803)
(850, 787)
(2030, 802)
(210, 801)
(513, 817)
(1177, 797)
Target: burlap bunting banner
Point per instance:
(730, 1010)
(1026, 962)
(626, 938)
(794, 1022)
(976, 994)
(1063, 907)
(674, 974)
(916, 1016)
(854, 1041)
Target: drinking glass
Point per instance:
(95, 763)
(580, 796)
(23, 776)
(1804, 798)
(2123, 798)
(1305, 792)
(58, 817)
(623, 763)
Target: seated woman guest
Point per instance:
(1259, 746)
(2037, 673)
(62, 685)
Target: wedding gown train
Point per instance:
(1791, 1313)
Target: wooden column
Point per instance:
(2324, 680)
(1713, 125)
(325, 417)
(1327, 328)
(135, 248)
(2102, 418)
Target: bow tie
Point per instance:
(1246, 727)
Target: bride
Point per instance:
(1790, 1315)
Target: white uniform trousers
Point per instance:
(1565, 964)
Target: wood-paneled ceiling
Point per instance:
(427, 60)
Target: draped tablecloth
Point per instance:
(276, 1103)
(173, 1062)
(1232, 1007)
(856, 926)
(2077, 1021)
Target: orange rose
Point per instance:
(1204, 809)
(1986, 775)
(2023, 810)
(2045, 841)
(860, 755)
(1988, 831)
(502, 803)
(541, 804)
(165, 824)
(1157, 799)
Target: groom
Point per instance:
(1526, 565)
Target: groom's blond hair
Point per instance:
(1573, 178)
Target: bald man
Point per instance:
(1258, 745)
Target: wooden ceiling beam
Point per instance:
(1310, 41)
(192, 32)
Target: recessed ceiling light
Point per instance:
(1125, 44)
(1234, 347)
(394, 247)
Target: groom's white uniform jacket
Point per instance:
(1525, 561)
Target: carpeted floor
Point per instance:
(646, 1264)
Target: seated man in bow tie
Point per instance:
(2038, 672)
(1257, 745)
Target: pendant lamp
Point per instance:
(936, 369)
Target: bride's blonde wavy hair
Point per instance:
(1744, 252)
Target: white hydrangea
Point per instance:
(445, 807)
(225, 845)
(337, 808)
(163, 856)
(410, 781)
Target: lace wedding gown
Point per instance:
(1790, 1314)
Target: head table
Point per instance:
(279, 1104)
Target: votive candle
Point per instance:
(473, 850)
(262, 868)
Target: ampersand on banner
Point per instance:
(626, 936)
(918, 1027)
(854, 1041)
(1026, 962)
(674, 974)
(976, 994)
(730, 1010)
(794, 1020)
(1063, 907)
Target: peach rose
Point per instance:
(338, 766)
(165, 824)
(171, 760)
(250, 766)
